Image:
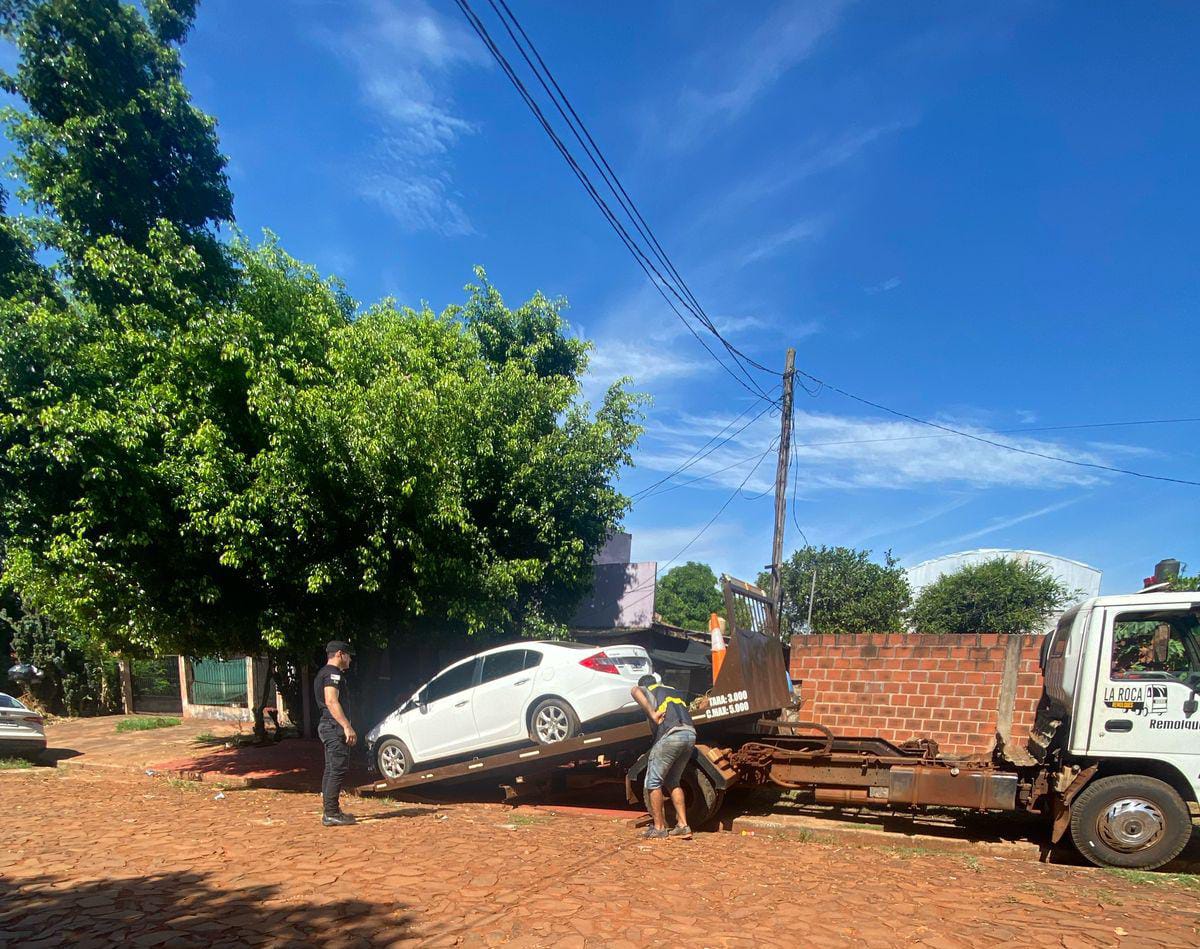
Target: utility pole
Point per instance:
(781, 474)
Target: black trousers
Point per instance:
(337, 762)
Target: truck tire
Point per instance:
(392, 758)
(553, 720)
(701, 797)
(1130, 820)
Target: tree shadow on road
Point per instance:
(187, 909)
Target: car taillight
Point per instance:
(600, 663)
(32, 719)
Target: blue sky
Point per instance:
(983, 214)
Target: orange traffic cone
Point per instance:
(718, 644)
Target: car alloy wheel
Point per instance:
(552, 724)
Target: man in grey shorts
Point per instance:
(674, 739)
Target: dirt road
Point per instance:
(94, 857)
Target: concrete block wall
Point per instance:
(954, 689)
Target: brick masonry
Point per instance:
(900, 686)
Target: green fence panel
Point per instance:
(219, 682)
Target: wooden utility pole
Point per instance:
(781, 474)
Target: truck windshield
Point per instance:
(1159, 645)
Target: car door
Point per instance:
(1147, 685)
(443, 723)
(500, 700)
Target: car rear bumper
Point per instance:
(22, 745)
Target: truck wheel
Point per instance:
(701, 797)
(1130, 820)
(553, 720)
(392, 758)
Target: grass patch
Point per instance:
(972, 864)
(15, 764)
(183, 784)
(1188, 880)
(528, 820)
(145, 724)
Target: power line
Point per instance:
(795, 485)
(988, 441)
(592, 149)
(661, 283)
(712, 520)
(700, 455)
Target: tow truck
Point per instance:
(1113, 757)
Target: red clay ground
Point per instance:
(94, 857)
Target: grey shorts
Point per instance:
(668, 758)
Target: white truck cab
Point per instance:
(1122, 712)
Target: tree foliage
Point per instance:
(853, 593)
(208, 448)
(997, 596)
(108, 143)
(687, 594)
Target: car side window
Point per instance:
(451, 682)
(533, 658)
(501, 664)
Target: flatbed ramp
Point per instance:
(522, 762)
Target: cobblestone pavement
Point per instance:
(93, 858)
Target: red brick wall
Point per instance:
(900, 686)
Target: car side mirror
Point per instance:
(1190, 706)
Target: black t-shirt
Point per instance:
(675, 711)
(329, 675)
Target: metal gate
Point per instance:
(156, 685)
(218, 682)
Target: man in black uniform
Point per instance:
(334, 730)
(674, 739)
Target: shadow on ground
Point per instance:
(186, 909)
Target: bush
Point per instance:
(997, 596)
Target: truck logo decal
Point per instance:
(1139, 699)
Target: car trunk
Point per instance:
(632, 662)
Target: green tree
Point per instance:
(997, 596)
(853, 593)
(687, 594)
(108, 143)
(209, 449)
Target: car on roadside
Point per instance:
(543, 691)
(22, 730)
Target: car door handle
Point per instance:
(520, 682)
(1119, 725)
(460, 704)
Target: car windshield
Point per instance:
(7, 701)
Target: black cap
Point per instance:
(336, 645)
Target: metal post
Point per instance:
(812, 593)
(781, 473)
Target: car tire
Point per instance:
(702, 798)
(553, 720)
(1130, 820)
(392, 758)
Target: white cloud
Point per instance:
(890, 284)
(837, 452)
(403, 53)
(738, 73)
(1001, 523)
(774, 243)
(663, 543)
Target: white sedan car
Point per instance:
(537, 690)
(21, 728)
